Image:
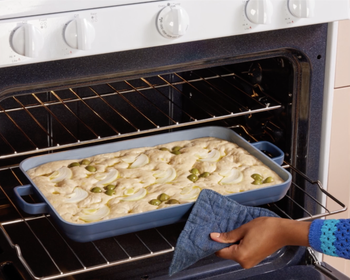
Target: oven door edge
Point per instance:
(330, 271)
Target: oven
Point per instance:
(83, 74)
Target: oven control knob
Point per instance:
(27, 40)
(301, 8)
(172, 22)
(259, 11)
(79, 34)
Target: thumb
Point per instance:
(232, 236)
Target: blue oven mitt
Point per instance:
(212, 212)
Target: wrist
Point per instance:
(296, 232)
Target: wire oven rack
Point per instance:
(122, 101)
(48, 244)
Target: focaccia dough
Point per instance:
(137, 176)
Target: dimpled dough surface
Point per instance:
(122, 183)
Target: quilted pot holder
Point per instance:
(212, 212)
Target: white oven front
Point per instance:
(39, 31)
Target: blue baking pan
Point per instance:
(155, 218)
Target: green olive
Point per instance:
(194, 171)
(176, 148)
(204, 175)
(172, 201)
(164, 149)
(109, 187)
(96, 190)
(163, 197)
(257, 182)
(155, 202)
(90, 168)
(176, 152)
(110, 192)
(268, 180)
(85, 162)
(192, 177)
(256, 176)
(74, 164)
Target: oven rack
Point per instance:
(45, 254)
(45, 113)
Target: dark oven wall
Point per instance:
(265, 86)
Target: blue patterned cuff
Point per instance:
(342, 243)
(331, 237)
(315, 234)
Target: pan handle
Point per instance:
(276, 154)
(30, 208)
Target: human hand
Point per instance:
(260, 238)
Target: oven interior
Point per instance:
(260, 99)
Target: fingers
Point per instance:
(228, 237)
(252, 247)
(227, 253)
(238, 254)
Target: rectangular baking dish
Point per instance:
(159, 217)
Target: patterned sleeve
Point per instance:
(331, 237)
